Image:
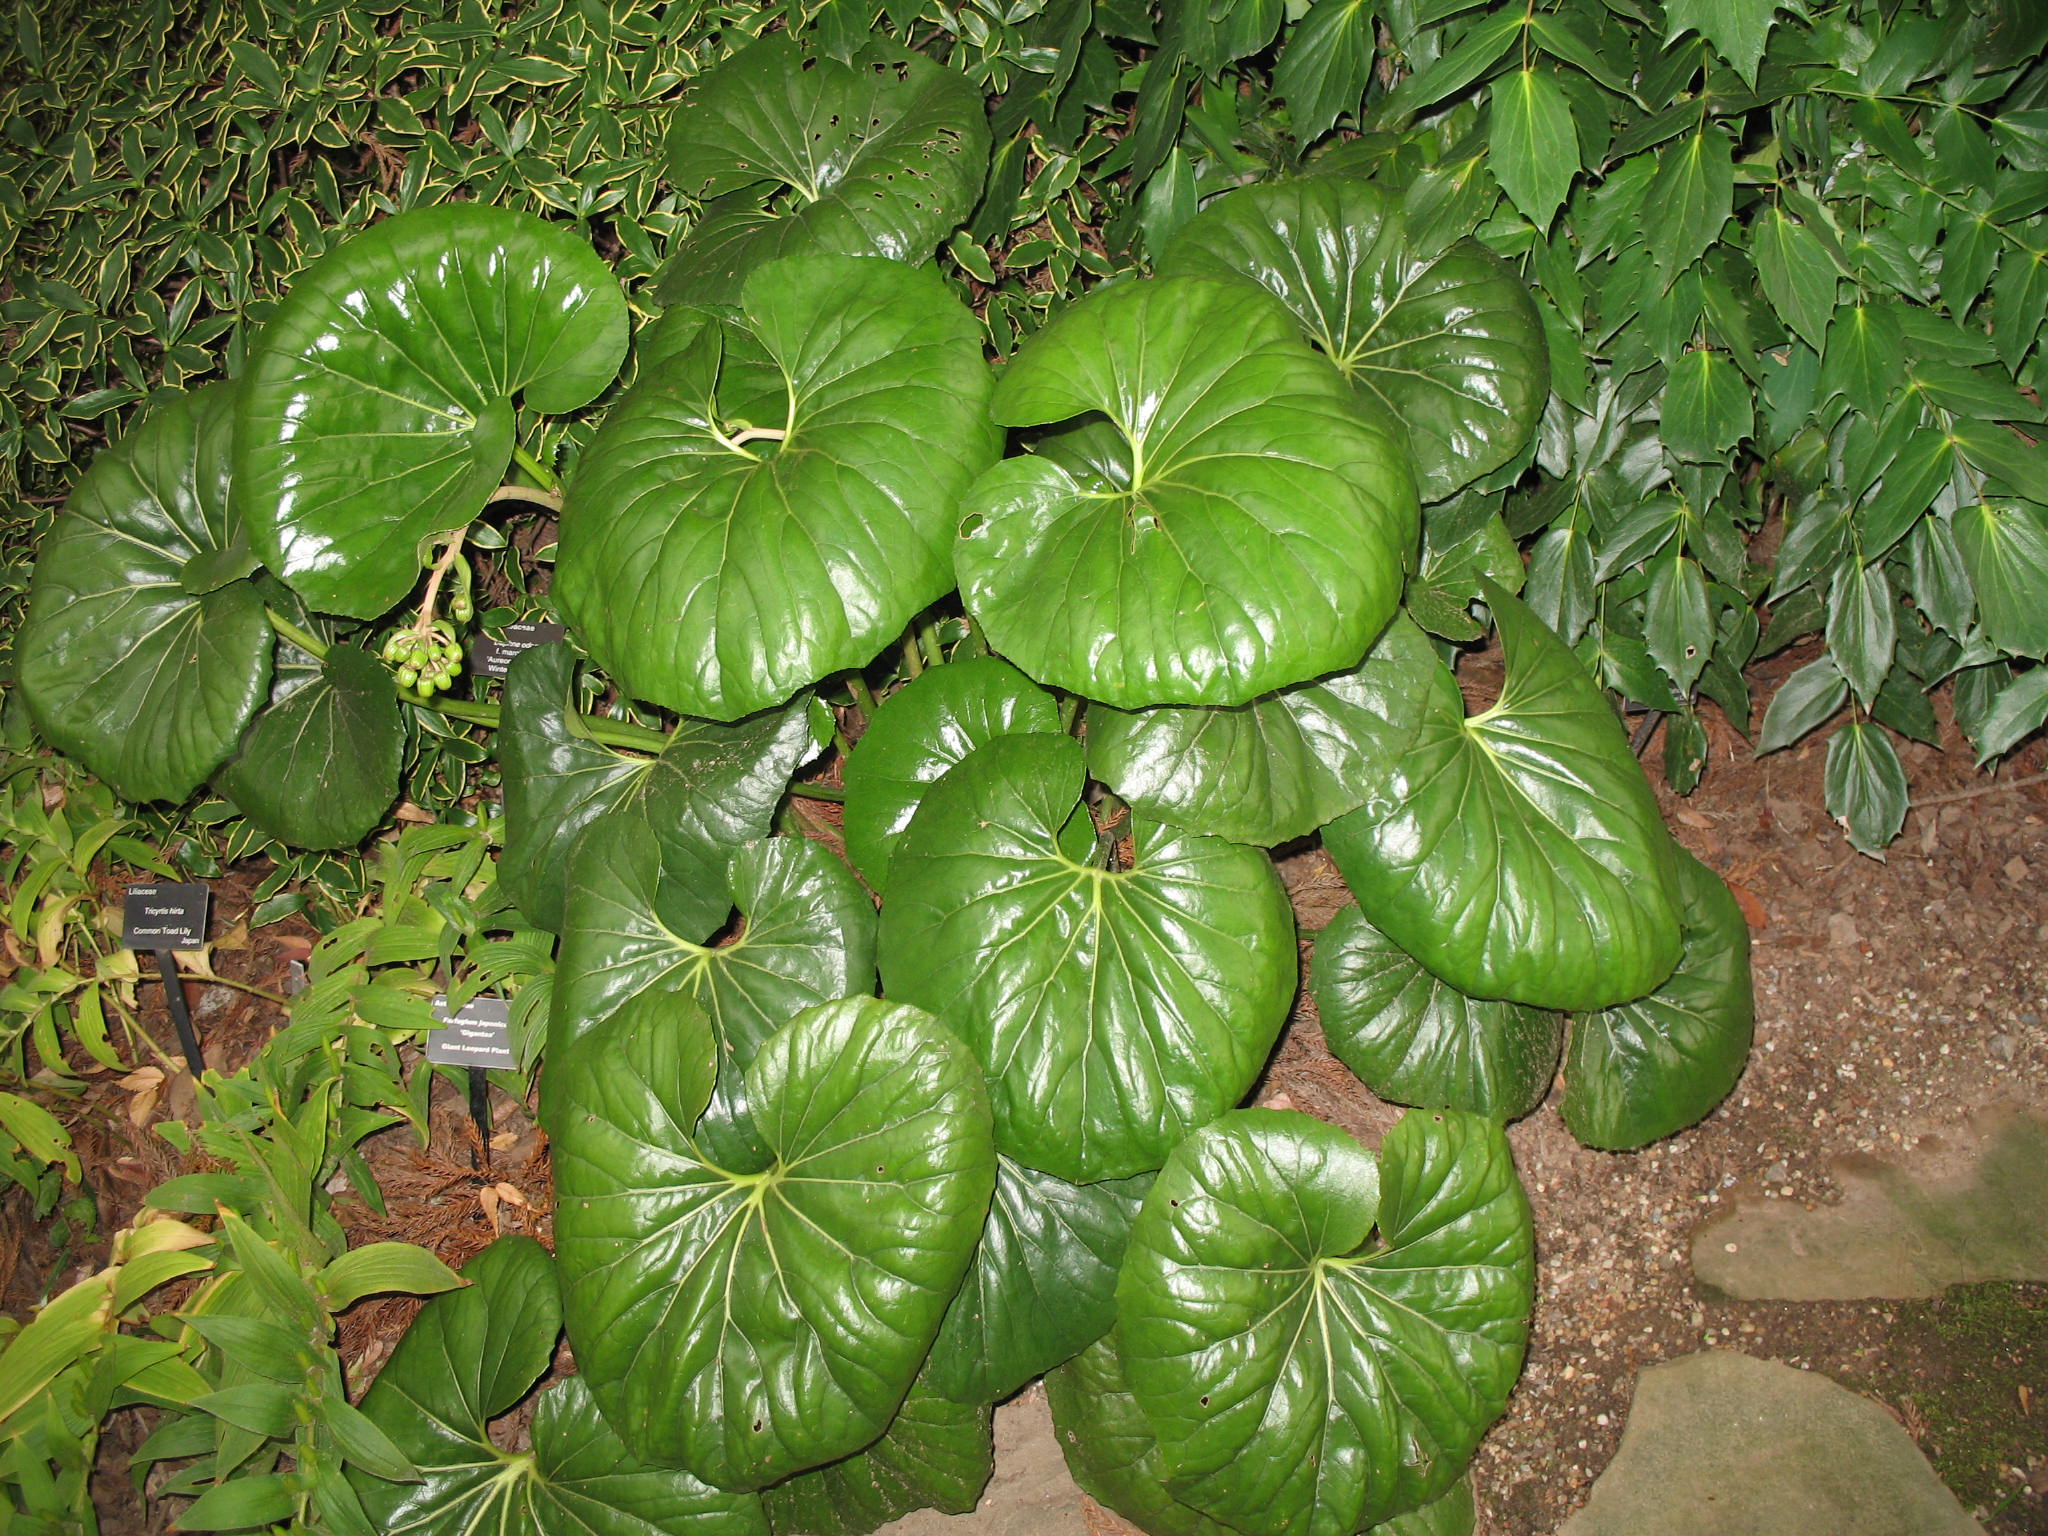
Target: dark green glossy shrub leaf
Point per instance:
(1449, 344)
(1519, 854)
(1535, 149)
(936, 1455)
(1415, 1039)
(1255, 538)
(1276, 768)
(880, 156)
(319, 765)
(1042, 1285)
(1301, 1378)
(468, 1357)
(919, 733)
(123, 665)
(713, 788)
(1113, 1010)
(1463, 540)
(376, 409)
(781, 491)
(1864, 785)
(2020, 707)
(1647, 1068)
(2005, 548)
(751, 1326)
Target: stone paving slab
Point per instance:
(1969, 1209)
(1722, 1444)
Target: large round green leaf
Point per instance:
(376, 409)
(713, 787)
(1278, 767)
(133, 659)
(774, 502)
(1113, 1010)
(1450, 344)
(1302, 1380)
(1256, 540)
(920, 732)
(467, 1358)
(747, 1326)
(318, 768)
(1519, 854)
(1415, 1039)
(1042, 1285)
(880, 156)
(936, 1455)
(1656, 1065)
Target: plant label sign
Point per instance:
(164, 916)
(491, 658)
(478, 1036)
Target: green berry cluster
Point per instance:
(426, 663)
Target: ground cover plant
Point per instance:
(1078, 639)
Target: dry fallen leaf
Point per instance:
(1753, 912)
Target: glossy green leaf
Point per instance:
(376, 409)
(1326, 66)
(1255, 538)
(1805, 701)
(713, 788)
(1042, 1286)
(781, 491)
(787, 1310)
(921, 731)
(1463, 540)
(1415, 1039)
(2020, 707)
(318, 767)
(123, 667)
(1864, 785)
(1798, 277)
(1639, 1072)
(1911, 482)
(1114, 1010)
(1448, 343)
(1519, 854)
(879, 156)
(1678, 623)
(1535, 148)
(1274, 769)
(1300, 1377)
(1865, 357)
(2005, 548)
(1738, 29)
(1862, 626)
(466, 1359)
(936, 1454)
(1689, 199)
(1706, 408)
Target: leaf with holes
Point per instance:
(880, 156)
(775, 500)
(1114, 1010)
(786, 1311)
(1449, 343)
(1301, 1378)
(376, 408)
(124, 662)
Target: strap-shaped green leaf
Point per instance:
(144, 678)
(467, 1358)
(920, 732)
(318, 768)
(1255, 538)
(1449, 344)
(714, 787)
(1113, 1010)
(1301, 1380)
(774, 501)
(1415, 1039)
(747, 1326)
(879, 156)
(1519, 854)
(376, 410)
(1278, 767)
(1042, 1285)
(936, 1455)
(1654, 1066)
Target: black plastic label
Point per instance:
(164, 916)
(492, 658)
(479, 1036)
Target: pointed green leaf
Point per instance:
(1706, 408)
(2019, 301)
(1911, 482)
(2020, 708)
(1864, 786)
(788, 1309)
(376, 409)
(1738, 29)
(1519, 854)
(1805, 701)
(1678, 625)
(122, 666)
(1865, 357)
(1863, 626)
(1256, 539)
(1415, 1039)
(1689, 199)
(1797, 276)
(1643, 1070)
(2005, 547)
(1114, 1009)
(936, 1454)
(1535, 149)
(2000, 452)
(1326, 65)
(375, 1268)
(824, 436)
(1299, 1377)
